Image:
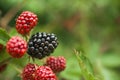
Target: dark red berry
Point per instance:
(16, 47)
(3, 67)
(42, 44)
(57, 64)
(44, 73)
(29, 72)
(25, 22)
(1, 47)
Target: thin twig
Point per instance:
(5, 61)
(10, 14)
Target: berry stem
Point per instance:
(10, 14)
(26, 37)
(17, 69)
(5, 61)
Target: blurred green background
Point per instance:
(90, 26)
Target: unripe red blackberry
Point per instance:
(42, 44)
(57, 64)
(16, 47)
(29, 72)
(25, 22)
(44, 73)
(1, 47)
(2, 67)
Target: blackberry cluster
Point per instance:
(42, 44)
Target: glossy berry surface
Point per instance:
(25, 22)
(29, 72)
(57, 64)
(42, 44)
(44, 73)
(16, 47)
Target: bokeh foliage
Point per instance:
(89, 26)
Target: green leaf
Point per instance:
(69, 73)
(87, 62)
(2, 42)
(111, 60)
(82, 59)
(4, 36)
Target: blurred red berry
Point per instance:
(57, 64)
(44, 73)
(16, 47)
(25, 22)
(1, 47)
(3, 67)
(29, 72)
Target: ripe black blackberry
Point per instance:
(42, 44)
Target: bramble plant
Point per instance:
(37, 46)
(52, 29)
